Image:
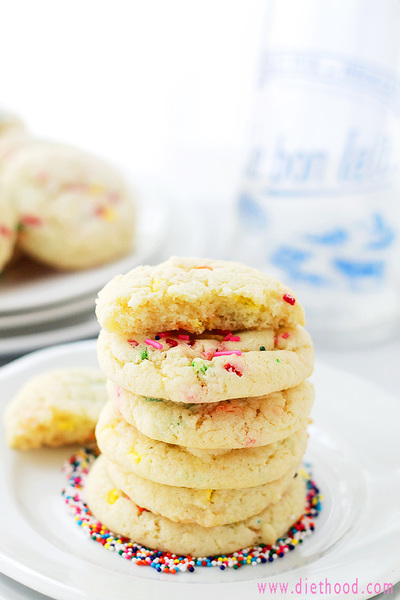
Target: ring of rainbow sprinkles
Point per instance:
(200, 446)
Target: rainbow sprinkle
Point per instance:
(77, 469)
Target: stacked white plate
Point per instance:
(40, 307)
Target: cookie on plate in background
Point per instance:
(75, 210)
(9, 122)
(56, 408)
(8, 229)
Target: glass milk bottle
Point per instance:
(318, 200)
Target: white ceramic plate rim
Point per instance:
(60, 334)
(46, 314)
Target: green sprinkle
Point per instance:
(199, 368)
(153, 399)
(277, 360)
(262, 347)
(144, 355)
(235, 566)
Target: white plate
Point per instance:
(29, 286)
(21, 319)
(354, 448)
(40, 336)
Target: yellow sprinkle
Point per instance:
(209, 495)
(112, 496)
(106, 546)
(108, 214)
(95, 189)
(155, 286)
(294, 542)
(138, 457)
(247, 302)
(303, 473)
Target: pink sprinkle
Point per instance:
(231, 338)
(133, 343)
(250, 442)
(113, 197)
(41, 176)
(228, 353)
(285, 335)
(183, 337)
(31, 220)
(153, 343)
(289, 299)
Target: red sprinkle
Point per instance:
(140, 509)
(289, 299)
(285, 335)
(133, 343)
(233, 369)
(30, 220)
(99, 211)
(172, 343)
(4, 230)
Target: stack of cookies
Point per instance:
(205, 427)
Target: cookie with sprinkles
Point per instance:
(75, 210)
(236, 423)
(209, 367)
(207, 508)
(181, 466)
(196, 295)
(77, 469)
(56, 408)
(120, 514)
(8, 229)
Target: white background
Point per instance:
(150, 84)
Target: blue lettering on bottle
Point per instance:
(252, 213)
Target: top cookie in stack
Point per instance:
(199, 331)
